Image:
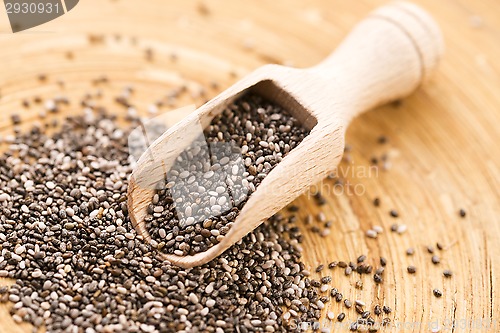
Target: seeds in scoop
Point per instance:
(265, 132)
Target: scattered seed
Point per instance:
(402, 228)
(383, 261)
(394, 213)
(326, 279)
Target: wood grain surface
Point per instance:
(442, 141)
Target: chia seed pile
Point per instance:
(207, 187)
(66, 238)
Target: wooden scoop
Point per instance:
(386, 57)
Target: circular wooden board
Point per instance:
(442, 144)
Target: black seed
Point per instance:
(326, 279)
(412, 269)
(16, 119)
(333, 264)
(462, 212)
(359, 284)
(383, 261)
(435, 260)
(341, 316)
(438, 293)
(376, 202)
(447, 273)
(394, 213)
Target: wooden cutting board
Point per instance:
(442, 142)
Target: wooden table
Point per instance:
(442, 141)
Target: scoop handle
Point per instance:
(385, 57)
